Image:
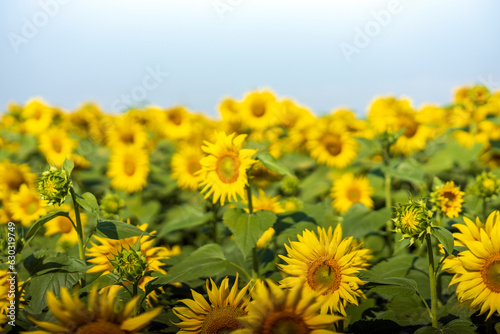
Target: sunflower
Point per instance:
(476, 270)
(176, 123)
(329, 146)
(260, 110)
(12, 176)
(229, 109)
(327, 265)
(277, 310)
(100, 316)
(37, 116)
(25, 206)
(185, 164)
(104, 250)
(224, 170)
(220, 316)
(129, 168)
(56, 146)
(64, 226)
(126, 132)
(448, 199)
(384, 113)
(349, 190)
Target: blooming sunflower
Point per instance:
(177, 123)
(128, 168)
(224, 170)
(349, 190)
(185, 164)
(476, 270)
(220, 316)
(100, 316)
(260, 110)
(37, 116)
(12, 176)
(105, 250)
(277, 310)
(64, 226)
(329, 146)
(126, 132)
(448, 199)
(326, 264)
(56, 146)
(230, 113)
(25, 206)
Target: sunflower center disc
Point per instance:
(449, 196)
(222, 320)
(258, 109)
(323, 275)
(31, 207)
(100, 327)
(175, 117)
(193, 166)
(333, 147)
(57, 145)
(127, 138)
(492, 273)
(354, 195)
(129, 167)
(409, 221)
(65, 225)
(227, 169)
(15, 179)
(284, 323)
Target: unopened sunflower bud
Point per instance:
(292, 204)
(129, 264)
(54, 186)
(413, 219)
(289, 184)
(111, 205)
(487, 185)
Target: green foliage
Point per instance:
(272, 164)
(114, 229)
(247, 228)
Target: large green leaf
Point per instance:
(89, 203)
(359, 220)
(39, 223)
(207, 261)
(247, 228)
(39, 285)
(457, 326)
(114, 229)
(408, 171)
(44, 261)
(272, 164)
(445, 238)
(186, 216)
(68, 166)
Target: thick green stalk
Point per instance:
(255, 259)
(432, 281)
(388, 199)
(79, 227)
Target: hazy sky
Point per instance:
(325, 54)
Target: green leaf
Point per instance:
(248, 228)
(89, 203)
(102, 281)
(184, 217)
(457, 326)
(393, 290)
(44, 261)
(39, 223)
(207, 261)
(272, 164)
(399, 281)
(396, 266)
(445, 238)
(114, 229)
(68, 166)
(359, 220)
(39, 285)
(407, 171)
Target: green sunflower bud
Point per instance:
(111, 205)
(413, 219)
(54, 185)
(130, 265)
(292, 204)
(289, 184)
(487, 185)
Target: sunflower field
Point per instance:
(269, 219)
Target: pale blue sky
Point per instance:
(104, 50)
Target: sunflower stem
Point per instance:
(255, 259)
(485, 209)
(79, 229)
(243, 271)
(249, 195)
(432, 281)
